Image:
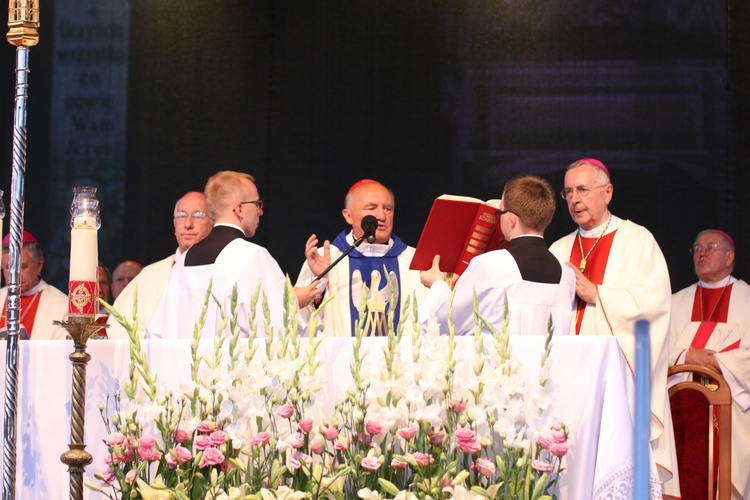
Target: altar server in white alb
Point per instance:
(192, 223)
(621, 277)
(710, 326)
(364, 266)
(537, 286)
(224, 258)
(41, 303)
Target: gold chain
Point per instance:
(585, 258)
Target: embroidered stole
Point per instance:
(596, 265)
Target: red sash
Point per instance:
(596, 264)
(29, 305)
(715, 301)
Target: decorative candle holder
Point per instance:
(83, 294)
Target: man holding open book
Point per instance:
(526, 275)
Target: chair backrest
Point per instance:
(719, 399)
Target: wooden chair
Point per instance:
(719, 399)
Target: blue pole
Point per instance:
(642, 409)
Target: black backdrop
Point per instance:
(429, 97)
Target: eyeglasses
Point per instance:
(583, 192)
(198, 216)
(711, 247)
(500, 213)
(257, 203)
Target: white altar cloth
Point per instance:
(592, 398)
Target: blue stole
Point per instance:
(365, 265)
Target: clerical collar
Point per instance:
(229, 224)
(527, 236)
(35, 289)
(368, 249)
(719, 284)
(595, 232)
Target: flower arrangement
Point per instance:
(420, 419)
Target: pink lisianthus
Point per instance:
(484, 466)
(305, 425)
(116, 439)
(182, 454)
(218, 438)
(108, 477)
(316, 447)
(148, 454)
(436, 437)
(457, 406)
(542, 466)
(297, 459)
(407, 432)
(286, 411)
(341, 444)
(147, 441)
(423, 459)
(464, 434)
(330, 433)
(296, 440)
(171, 460)
(364, 439)
(179, 436)
(370, 464)
(207, 426)
(112, 459)
(261, 439)
(211, 456)
(126, 456)
(130, 476)
(202, 441)
(559, 449)
(373, 428)
(469, 447)
(398, 464)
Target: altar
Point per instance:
(593, 396)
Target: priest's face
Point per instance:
(30, 269)
(194, 222)
(591, 210)
(715, 260)
(371, 199)
(249, 212)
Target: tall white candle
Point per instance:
(84, 254)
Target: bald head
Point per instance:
(192, 221)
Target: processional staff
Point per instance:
(23, 22)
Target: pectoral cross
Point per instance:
(582, 265)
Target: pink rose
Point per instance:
(398, 464)
(148, 454)
(116, 439)
(542, 466)
(407, 432)
(469, 447)
(296, 440)
(373, 428)
(179, 436)
(437, 437)
(305, 425)
(423, 459)
(559, 449)
(330, 433)
(147, 441)
(218, 438)
(370, 464)
(484, 466)
(211, 456)
(286, 411)
(316, 447)
(202, 441)
(457, 406)
(261, 439)
(464, 434)
(207, 426)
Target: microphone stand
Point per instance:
(347, 252)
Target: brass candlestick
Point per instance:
(80, 328)
(23, 22)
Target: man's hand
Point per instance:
(315, 260)
(433, 274)
(585, 289)
(306, 294)
(703, 357)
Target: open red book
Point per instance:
(458, 228)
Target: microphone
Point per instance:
(369, 226)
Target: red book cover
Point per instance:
(458, 228)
